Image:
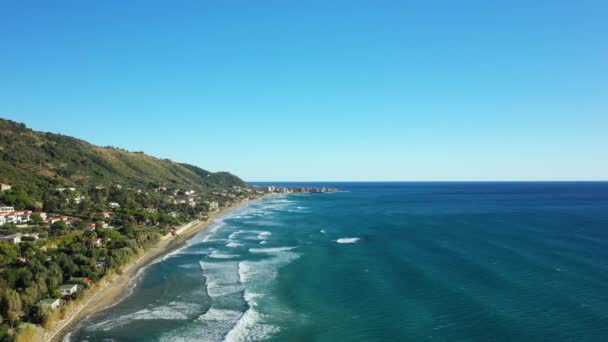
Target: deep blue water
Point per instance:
(417, 262)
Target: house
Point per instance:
(52, 303)
(21, 216)
(7, 209)
(13, 238)
(77, 199)
(97, 242)
(214, 205)
(68, 289)
(106, 214)
(67, 219)
(114, 205)
(90, 226)
(4, 187)
(41, 214)
(82, 280)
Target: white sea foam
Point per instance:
(270, 250)
(251, 326)
(236, 234)
(171, 311)
(348, 240)
(219, 255)
(222, 277)
(233, 244)
(259, 273)
(210, 326)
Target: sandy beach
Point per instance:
(112, 290)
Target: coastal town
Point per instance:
(57, 242)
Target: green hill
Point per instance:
(46, 159)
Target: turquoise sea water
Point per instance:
(383, 262)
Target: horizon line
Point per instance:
(436, 181)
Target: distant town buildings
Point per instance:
(269, 189)
(4, 187)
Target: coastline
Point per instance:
(111, 291)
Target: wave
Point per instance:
(222, 277)
(171, 311)
(251, 326)
(348, 240)
(270, 250)
(219, 255)
(210, 326)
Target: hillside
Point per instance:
(39, 158)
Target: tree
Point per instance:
(29, 298)
(8, 253)
(11, 306)
(36, 219)
(58, 227)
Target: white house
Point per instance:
(7, 209)
(214, 205)
(4, 187)
(42, 214)
(52, 303)
(16, 238)
(13, 238)
(68, 289)
(15, 217)
(114, 204)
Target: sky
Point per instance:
(320, 90)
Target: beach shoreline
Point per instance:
(112, 291)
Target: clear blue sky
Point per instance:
(321, 90)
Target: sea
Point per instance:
(440, 261)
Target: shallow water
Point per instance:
(383, 262)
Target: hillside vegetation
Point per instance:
(39, 158)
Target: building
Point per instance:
(106, 214)
(114, 205)
(214, 205)
(68, 289)
(16, 217)
(79, 199)
(7, 209)
(4, 187)
(17, 238)
(52, 303)
(41, 214)
(13, 238)
(83, 280)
